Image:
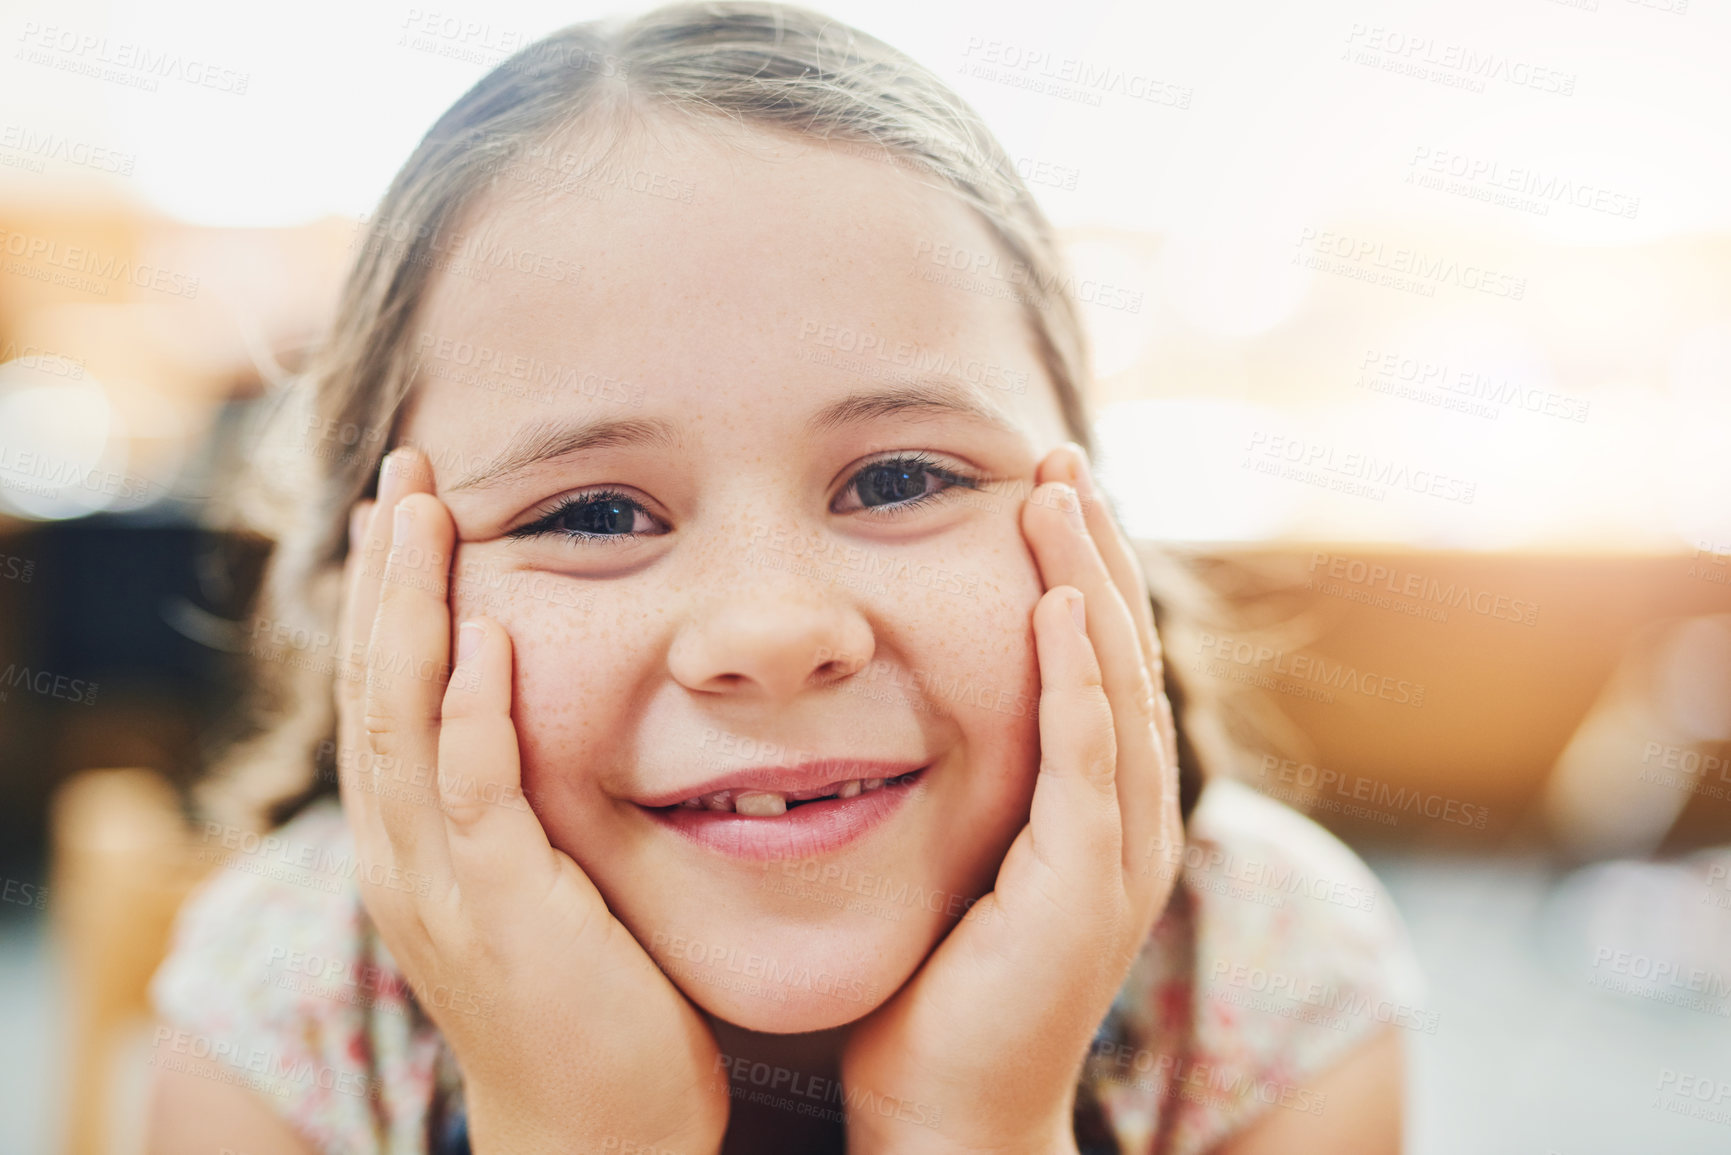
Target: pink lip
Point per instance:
(805, 831)
(791, 780)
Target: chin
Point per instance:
(782, 1012)
(781, 978)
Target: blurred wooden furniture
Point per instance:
(1502, 697)
(122, 864)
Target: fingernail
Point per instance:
(468, 641)
(1084, 470)
(385, 466)
(402, 519)
(1077, 613)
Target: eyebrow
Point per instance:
(931, 400)
(544, 442)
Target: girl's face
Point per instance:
(736, 455)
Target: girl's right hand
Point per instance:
(568, 1036)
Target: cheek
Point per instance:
(569, 665)
(972, 633)
(970, 661)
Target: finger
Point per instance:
(1127, 575)
(1070, 463)
(359, 773)
(409, 653)
(396, 474)
(1066, 554)
(496, 842)
(354, 760)
(1074, 822)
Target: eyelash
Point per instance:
(548, 523)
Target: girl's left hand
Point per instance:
(981, 1049)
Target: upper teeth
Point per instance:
(760, 804)
(769, 803)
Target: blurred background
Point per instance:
(1413, 329)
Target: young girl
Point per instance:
(750, 723)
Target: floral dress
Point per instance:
(1278, 954)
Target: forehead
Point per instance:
(705, 267)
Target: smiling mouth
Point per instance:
(773, 803)
(758, 824)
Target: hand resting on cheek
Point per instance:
(584, 1041)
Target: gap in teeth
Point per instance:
(770, 803)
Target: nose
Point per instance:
(776, 638)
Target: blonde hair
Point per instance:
(755, 64)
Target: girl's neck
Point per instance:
(785, 1090)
